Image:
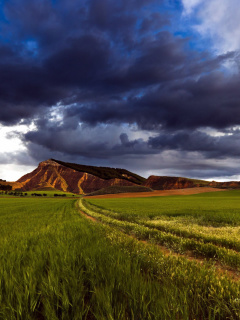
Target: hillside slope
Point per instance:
(225, 185)
(76, 178)
(105, 173)
(170, 183)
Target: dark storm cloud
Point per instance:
(85, 53)
(195, 141)
(178, 153)
(109, 141)
(108, 64)
(51, 52)
(83, 63)
(99, 142)
(145, 163)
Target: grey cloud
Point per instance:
(195, 141)
(106, 65)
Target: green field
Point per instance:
(204, 225)
(44, 193)
(57, 264)
(213, 208)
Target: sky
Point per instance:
(150, 86)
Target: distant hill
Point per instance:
(82, 179)
(225, 185)
(71, 177)
(169, 183)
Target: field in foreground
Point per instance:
(200, 226)
(56, 264)
(207, 208)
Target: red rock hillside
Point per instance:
(225, 185)
(169, 183)
(76, 178)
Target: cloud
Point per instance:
(217, 19)
(108, 68)
(218, 147)
(193, 153)
(86, 141)
(190, 5)
(210, 101)
(111, 82)
(78, 50)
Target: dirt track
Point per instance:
(221, 269)
(158, 193)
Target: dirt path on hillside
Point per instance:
(158, 193)
(220, 269)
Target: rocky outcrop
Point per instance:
(52, 174)
(225, 185)
(169, 183)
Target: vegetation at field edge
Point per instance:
(55, 264)
(37, 193)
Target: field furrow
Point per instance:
(56, 264)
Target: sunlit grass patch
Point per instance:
(56, 264)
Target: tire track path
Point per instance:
(220, 269)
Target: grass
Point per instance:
(209, 209)
(203, 225)
(180, 244)
(56, 264)
(48, 193)
(120, 189)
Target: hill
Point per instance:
(169, 183)
(225, 185)
(82, 179)
(71, 177)
(105, 173)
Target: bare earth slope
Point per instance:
(169, 183)
(52, 174)
(229, 184)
